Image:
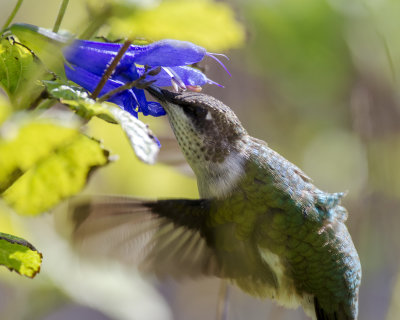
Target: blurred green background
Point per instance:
(317, 79)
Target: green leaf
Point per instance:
(78, 100)
(45, 163)
(19, 255)
(140, 137)
(5, 109)
(46, 45)
(25, 144)
(207, 23)
(18, 71)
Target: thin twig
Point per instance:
(138, 83)
(60, 16)
(13, 13)
(97, 20)
(384, 42)
(389, 57)
(110, 69)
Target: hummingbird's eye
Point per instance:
(195, 112)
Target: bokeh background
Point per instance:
(317, 79)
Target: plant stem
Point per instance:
(129, 85)
(138, 83)
(13, 13)
(60, 16)
(389, 57)
(110, 69)
(97, 20)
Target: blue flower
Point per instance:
(88, 60)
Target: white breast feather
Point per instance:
(222, 178)
(283, 295)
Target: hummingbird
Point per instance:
(260, 221)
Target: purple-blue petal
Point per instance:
(189, 76)
(155, 109)
(95, 56)
(126, 99)
(89, 60)
(138, 94)
(89, 80)
(157, 141)
(141, 98)
(168, 53)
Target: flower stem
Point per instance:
(13, 13)
(110, 69)
(138, 83)
(97, 19)
(60, 16)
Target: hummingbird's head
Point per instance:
(208, 132)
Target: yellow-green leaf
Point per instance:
(140, 137)
(5, 109)
(44, 161)
(19, 255)
(206, 23)
(88, 109)
(78, 100)
(17, 72)
(22, 145)
(61, 174)
(46, 44)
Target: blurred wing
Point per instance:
(164, 237)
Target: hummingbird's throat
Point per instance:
(214, 178)
(217, 160)
(221, 179)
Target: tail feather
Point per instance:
(323, 314)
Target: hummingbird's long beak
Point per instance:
(156, 92)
